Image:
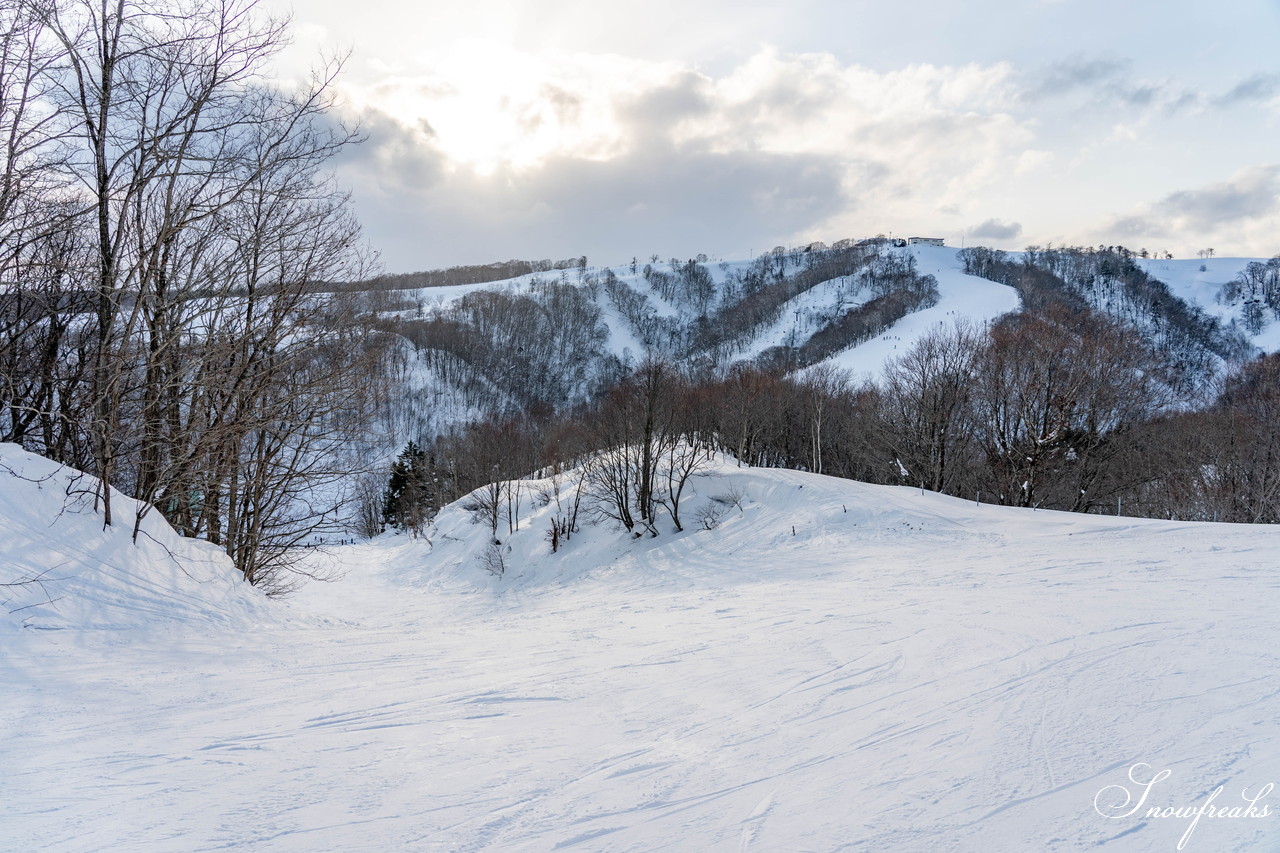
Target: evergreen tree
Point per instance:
(406, 504)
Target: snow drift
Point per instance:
(61, 569)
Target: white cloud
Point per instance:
(1242, 211)
(865, 146)
(1033, 160)
(995, 229)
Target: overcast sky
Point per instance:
(554, 128)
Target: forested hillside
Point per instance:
(314, 537)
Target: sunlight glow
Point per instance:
(502, 110)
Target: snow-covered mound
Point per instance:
(61, 569)
(831, 666)
(724, 509)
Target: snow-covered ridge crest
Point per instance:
(60, 569)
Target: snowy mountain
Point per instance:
(555, 338)
(663, 314)
(813, 664)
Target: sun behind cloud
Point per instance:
(492, 108)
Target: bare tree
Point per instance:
(1241, 447)
(634, 429)
(821, 386)
(1053, 401)
(191, 164)
(39, 245)
(164, 215)
(925, 403)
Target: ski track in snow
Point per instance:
(905, 672)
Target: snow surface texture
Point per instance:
(835, 666)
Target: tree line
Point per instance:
(755, 297)
(464, 274)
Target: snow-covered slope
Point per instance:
(835, 666)
(634, 315)
(60, 569)
(1203, 287)
(960, 298)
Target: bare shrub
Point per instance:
(734, 497)
(494, 558)
(709, 515)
